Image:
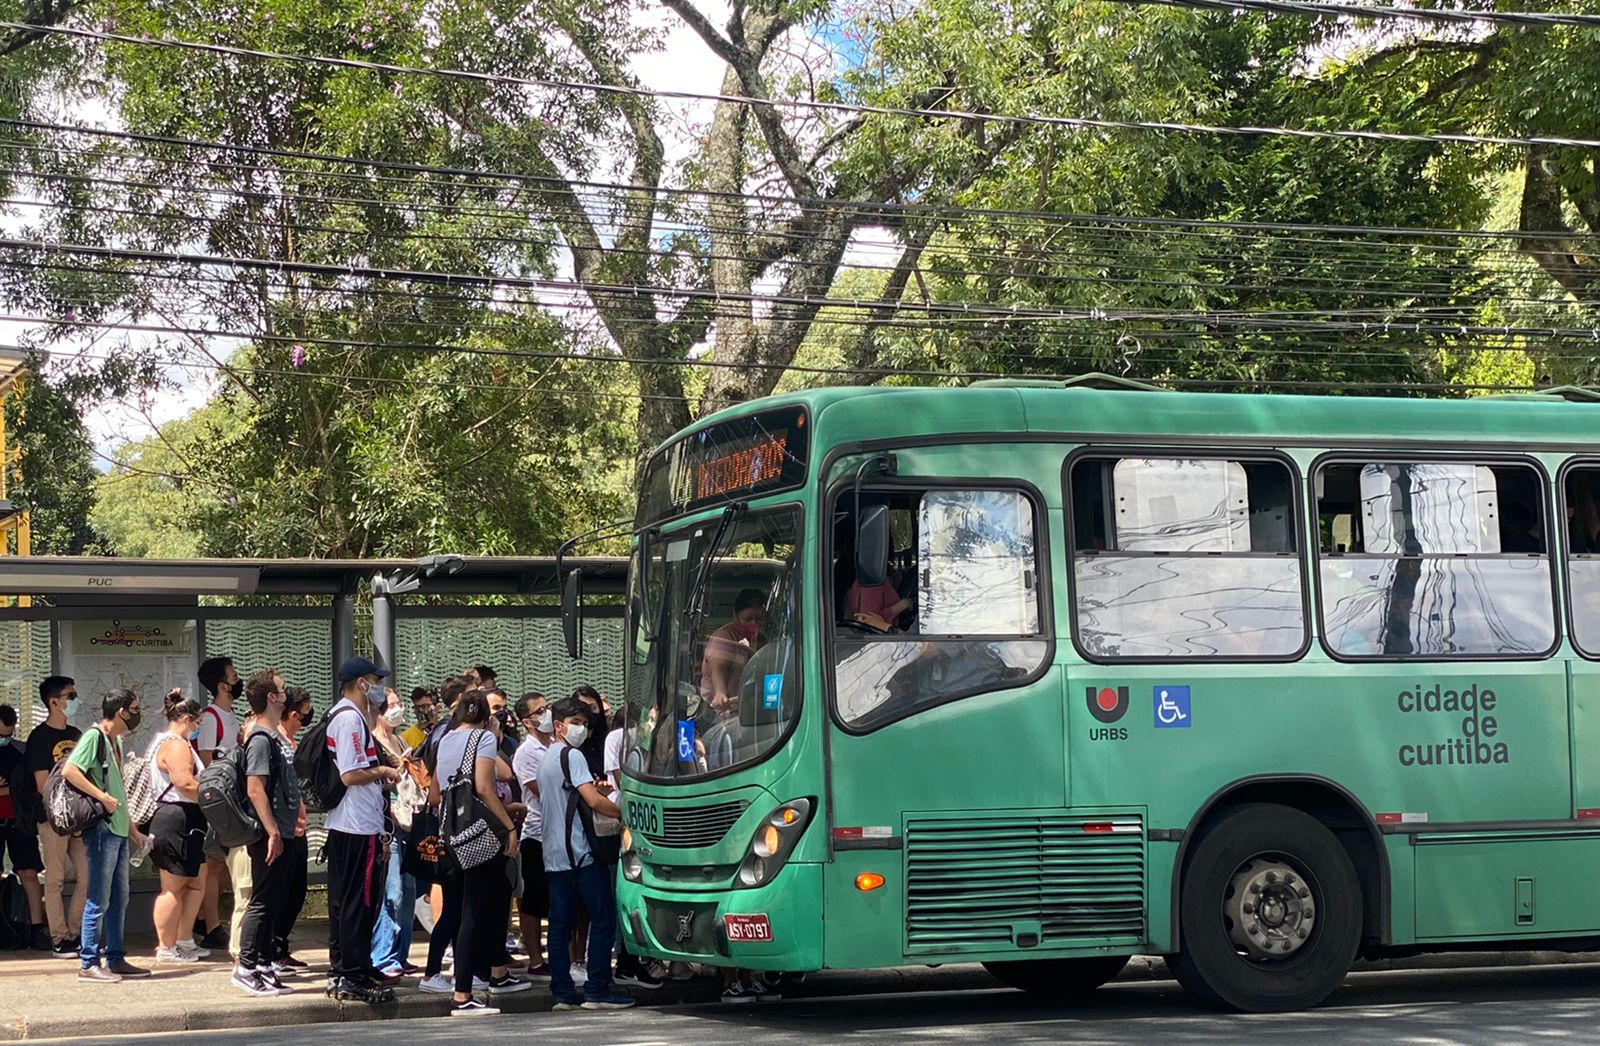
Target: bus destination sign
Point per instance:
(741, 458)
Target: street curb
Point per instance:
(307, 1006)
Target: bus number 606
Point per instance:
(644, 817)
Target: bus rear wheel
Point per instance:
(1059, 978)
(1271, 912)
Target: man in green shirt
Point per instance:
(95, 769)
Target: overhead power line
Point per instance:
(953, 310)
(1453, 16)
(810, 105)
(592, 190)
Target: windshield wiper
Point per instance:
(695, 605)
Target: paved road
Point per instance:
(1556, 1005)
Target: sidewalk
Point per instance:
(42, 998)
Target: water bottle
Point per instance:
(142, 852)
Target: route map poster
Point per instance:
(150, 655)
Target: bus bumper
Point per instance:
(691, 927)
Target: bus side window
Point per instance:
(1202, 560)
(1581, 504)
(1444, 559)
(965, 619)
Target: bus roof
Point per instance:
(1106, 405)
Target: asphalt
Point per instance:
(1503, 1006)
(41, 998)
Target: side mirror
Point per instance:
(572, 612)
(872, 546)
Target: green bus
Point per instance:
(1042, 675)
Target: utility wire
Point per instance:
(1067, 122)
(1521, 19)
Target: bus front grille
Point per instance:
(696, 826)
(982, 884)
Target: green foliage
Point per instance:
(52, 475)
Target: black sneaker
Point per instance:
(338, 988)
(472, 1008)
(217, 939)
(639, 978)
(370, 993)
(289, 962)
(65, 950)
(40, 941)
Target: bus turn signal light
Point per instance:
(866, 882)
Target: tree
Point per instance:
(145, 503)
(52, 475)
(1513, 82)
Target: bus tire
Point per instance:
(1271, 912)
(1059, 978)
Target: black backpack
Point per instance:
(72, 812)
(321, 786)
(14, 926)
(576, 808)
(224, 799)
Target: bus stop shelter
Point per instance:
(149, 623)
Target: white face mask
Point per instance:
(546, 723)
(395, 716)
(577, 735)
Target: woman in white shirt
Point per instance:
(177, 831)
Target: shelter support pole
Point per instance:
(344, 631)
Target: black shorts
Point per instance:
(22, 845)
(179, 831)
(535, 899)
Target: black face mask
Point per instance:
(133, 719)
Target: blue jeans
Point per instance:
(391, 937)
(105, 898)
(589, 885)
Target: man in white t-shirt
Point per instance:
(355, 849)
(219, 734)
(533, 711)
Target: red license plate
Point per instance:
(747, 927)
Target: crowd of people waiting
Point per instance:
(480, 803)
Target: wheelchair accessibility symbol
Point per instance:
(1172, 707)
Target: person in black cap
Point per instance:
(355, 850)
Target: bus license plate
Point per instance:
(747, 927)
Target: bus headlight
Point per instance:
(632, 867)
(775, 840)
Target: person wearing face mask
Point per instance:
(17, 835)
(50, 742)
(219, 734)
(355, 850)
(568, 800)
(425, 707)
(729, 649)
(533, 907)
(391, 935)
(95, 769)
(297, 712)
(179, 830)
(274, 794)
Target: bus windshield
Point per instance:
(713, 621)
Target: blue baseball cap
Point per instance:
(357, 667)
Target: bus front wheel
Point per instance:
(1059, 978)
(1271, 912)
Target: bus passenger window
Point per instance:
(959, 613)
(1440, 559)
(1581, 499)
(1200, 559)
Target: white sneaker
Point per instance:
(479, 984)
(436, 985)
(580, 974)
(194, 949)
(165, 956)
